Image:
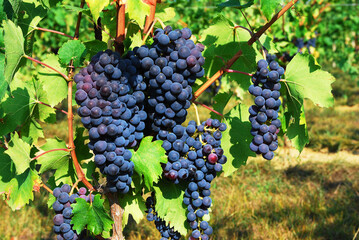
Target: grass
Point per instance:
(272, 200)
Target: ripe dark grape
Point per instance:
(166, 231)
(264, 114)
(114, 106)
(62, 220)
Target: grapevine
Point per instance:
(132, 94)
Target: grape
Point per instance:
(265, 88)
(115, 101)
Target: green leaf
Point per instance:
(83, 153)
(50, 3)
(222, 39)
(268, 7)
(15, 4)
(96, 7)
(297, 131)
(305, 79)
(14, 48)
(31, 14)
(148, 159)
(56, 160)
(3, 84)
(236, 139)
(54, 85)
(94, 46)
(169, 205)
(236, 4)
(20, 189)
(7, 170)
(221, 99)
(138, 10)
(92, 216)
(19, 151)
(165, 13)
(134, 205)
(73, 50)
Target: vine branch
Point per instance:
(52, 150)
(270, 23)
(48, 66)
(150, 18)
(58, 109)
(210, 109)
(254, 38)
(53, 31)
(70, 117)
(121, 26)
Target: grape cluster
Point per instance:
(264, 114)
(166, 231)
(207, 162)
(62, 206)
(110, 92)
(170, 67)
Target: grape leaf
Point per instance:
(138, 10)
(32, 13)
(169, 205)
(268, 7)
(236, 4)
(15, 4)
(236, 139)
(221, 99)
(14, 48)
(297, 131)
(20, 189)
(92, 216)
(96, 7)
(3, 84)
(83, 153)
(57, 160)
(19, 151)
(17, 187)
(94, 46)
(21, 108)
(54, 85)
(165, 13)
(16, 109)
(53, 160)
(134, 205)
(304, 79)
(222, 39)
(73, 50)
(148, 159)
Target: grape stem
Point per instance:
(52, 150)
(120, 26)
(250, 32)
(74, 186)
(53, 31)
(48, 66)
(70, 116)
(235, 71)
(151, 28)
(198, 120)
(58, 109)
(254, 38)
(211, 109)
(47, 188)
